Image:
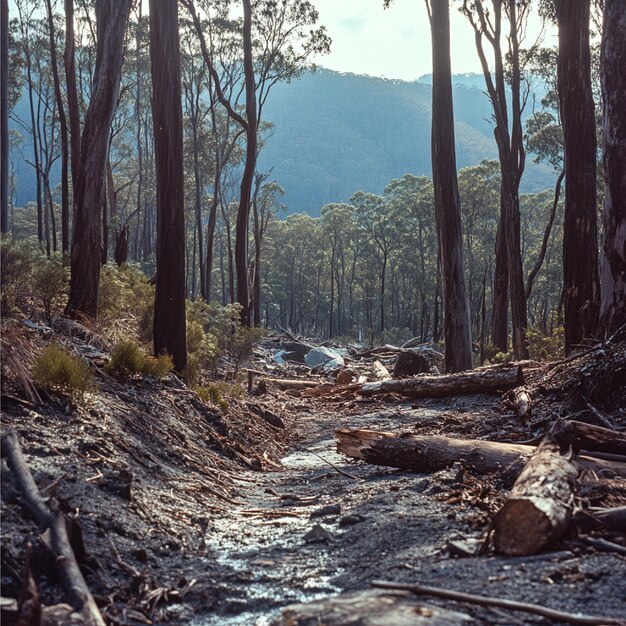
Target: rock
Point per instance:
(468, 546)
(331, 509)
(327, 358)
(351, 519)
(318, 534)
(345, 377)
(412, 362)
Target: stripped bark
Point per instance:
(431, 453)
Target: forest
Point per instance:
(311, 358)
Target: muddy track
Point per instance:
(309, 532)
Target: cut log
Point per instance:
(380, 372)
(291, 384)
(52, 520)
(486, 380)
(371, 608)
(431, 453)
(538, 509)
(520, 401)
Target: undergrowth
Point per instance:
(128, 359)
(55, 369)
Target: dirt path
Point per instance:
(274, 550)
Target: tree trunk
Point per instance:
(72, 93)
(169, 304)
(456, 319)
(431, 453)
(486, 380)
(112, 16)
(613, 262)
(65, 212)
(580, 238)
(4, 116)
(243, 214)
(538, 509)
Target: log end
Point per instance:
(522, 528)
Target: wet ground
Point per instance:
(309, 532)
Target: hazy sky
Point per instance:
(394, 42)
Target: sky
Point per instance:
(395, 42)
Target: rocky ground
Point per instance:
(189, 514)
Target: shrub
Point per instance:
(128, 359)
(58, 370)
(51, 286)
(219, 393)
(126, 301)
(543, 347)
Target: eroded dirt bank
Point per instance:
(190, 516)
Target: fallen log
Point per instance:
(431, 453)
(537, 511)
(370, 608)
(291, 384)
(496, 379)
(52, 520)
(611, 519)
(520, 400)
(597, 438)
(502, 603)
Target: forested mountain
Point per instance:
(335, 134)
(338, 133)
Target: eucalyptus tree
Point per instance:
(487, 23)
(613, 260)
(278, 40)
(112, 17)
(580, 235)
(4, 116)
(169, 302)
(456, 321)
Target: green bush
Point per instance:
(128, 359)
(126, 301)
(58, 370)
(51, 286)
(219, 393)
(543, 347)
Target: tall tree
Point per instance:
(69, 61)
(169, 304)
(613, 77)
(580, 233)
(456, 321)
(4, 116)
(65, 214)
(488, 25)
(112, 17)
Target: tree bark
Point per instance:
(431, 453)
(500, 319)
(580, 237)
(538, 509)
(4, 116)
(456, 319)
(485, 380)
(169, 304)
(72, 93)
(112, 16)
(65, 211)
(243, 214)
(613, 259)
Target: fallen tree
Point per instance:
(431, 453)
(51, 520)
(492, 379)
(538, 509)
